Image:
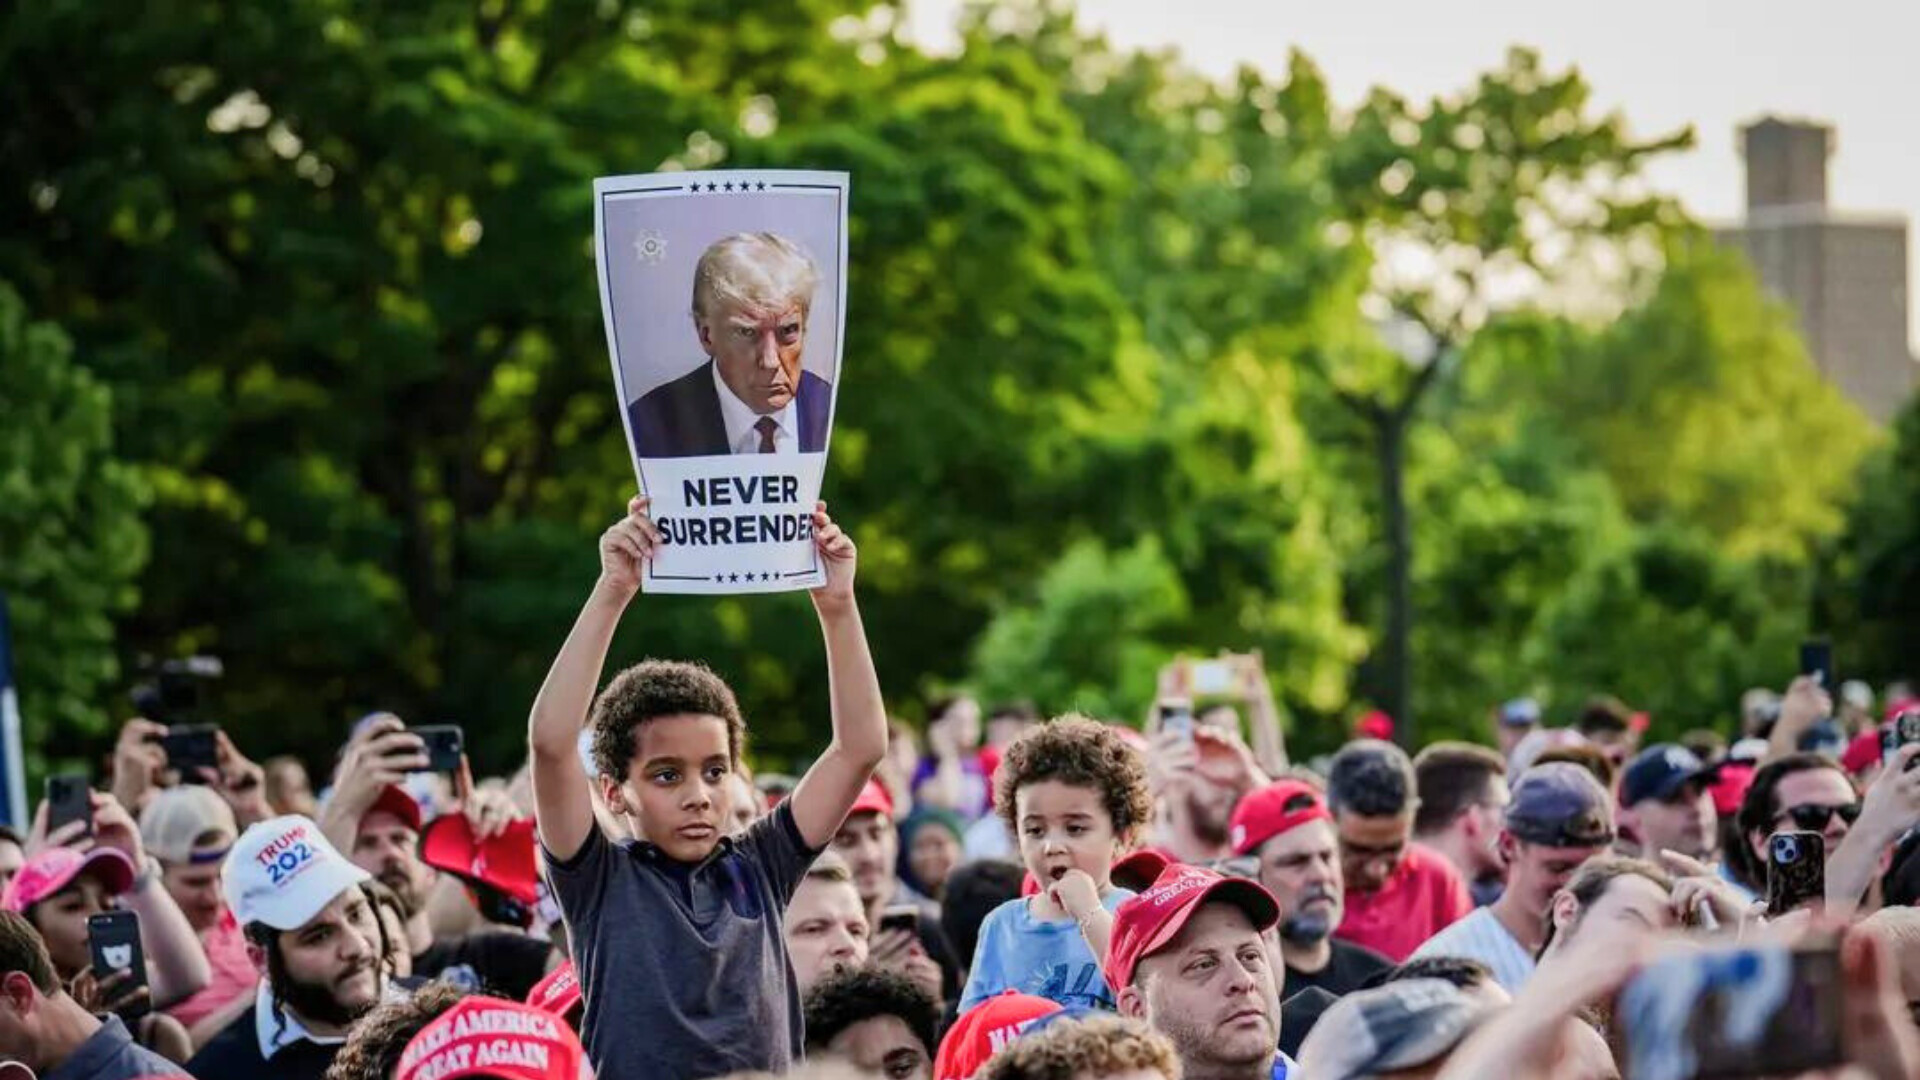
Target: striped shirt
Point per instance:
(1480, 937)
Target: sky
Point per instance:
(1714, 64)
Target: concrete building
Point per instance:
(1844, 273)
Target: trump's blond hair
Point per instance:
(760, 271)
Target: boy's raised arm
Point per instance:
(563, 805)
(827, 791)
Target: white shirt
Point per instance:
(1480, 937)
(742, 436)
(988, 839)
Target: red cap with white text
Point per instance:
(490, 1037)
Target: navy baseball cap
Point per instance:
(1520, 712)
(1659, 771)
(1560, 804)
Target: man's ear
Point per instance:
(1563, 911)
(17, 993)
(1509, 847)
(257, 956)
(1627, 823)
(1132, 1003)
(1471, 824)
(706, 339)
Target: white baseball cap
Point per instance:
(282, 871)
(176, 818)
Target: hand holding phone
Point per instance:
(1904, 729)
(1734, 1012)
(1796, 870)
(1177, 716)
(444, 744)
(901, 917)
(191, 748)
(113, 938)
(69, 800)
(1212, 678)
(1816, 659)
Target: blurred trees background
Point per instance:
(1431, 402)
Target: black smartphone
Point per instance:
(114, 939)
(190, 748)
(1751, 1010)
(445, 743)
(901, 917)
(1904, 729)
(1796, 870)
(69, 800)
(1816, 658)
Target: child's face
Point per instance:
(679, 786)
(1065, 827)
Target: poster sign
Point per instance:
(724, 295)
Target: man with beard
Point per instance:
(1197, 776)
(1187, 957)
(315, 939)
(1287, 828)
(870, 844)
(380, 824)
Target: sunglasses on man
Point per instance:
(1813, 817)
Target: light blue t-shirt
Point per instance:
(1046, 959)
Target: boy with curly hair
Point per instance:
(1074, 794)
(878, 1020)
(1093, 1048)
(677, 934)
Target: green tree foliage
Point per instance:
(1109, 380)
(1093, 639)
(1869, 599)
(1668, 624)
(1702, 408)
(71, 539)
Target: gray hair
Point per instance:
(1371, 778)
(756, 271)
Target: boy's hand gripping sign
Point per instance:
(724, 295)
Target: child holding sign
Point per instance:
(677, 934)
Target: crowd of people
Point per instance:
(994, 896)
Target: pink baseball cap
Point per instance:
(54, 868)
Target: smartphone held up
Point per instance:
(113, 937)
(1796, 870)
(1740, 1011)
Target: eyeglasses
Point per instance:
(1814, 817)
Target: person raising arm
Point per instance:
(686, 893)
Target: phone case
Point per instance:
(68, 801)
(1796, 870)
(1727, 1013)
(114, 940)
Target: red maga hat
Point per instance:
(1279, 807)
(1145, 924)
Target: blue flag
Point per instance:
(13, 765)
